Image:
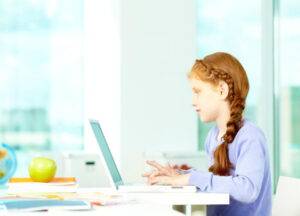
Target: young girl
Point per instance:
(236, 148)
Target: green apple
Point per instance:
(42, 169)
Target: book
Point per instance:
(26, 185)
(44, 204)
(56, 180)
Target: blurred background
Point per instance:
(125, 64)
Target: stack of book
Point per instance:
(26, 185)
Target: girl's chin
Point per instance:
(205, 119)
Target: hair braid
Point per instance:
(237, 105)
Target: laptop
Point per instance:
(114, 174)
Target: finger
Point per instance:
(168, 165)
(149, 181)
(159, 179)
(154, 174)
(147, 174)
(154, 164)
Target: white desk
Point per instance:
(126, 210)
(147, 203)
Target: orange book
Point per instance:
(26, 185)
(55, 180)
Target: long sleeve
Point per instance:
(188, 171)
(245, 184)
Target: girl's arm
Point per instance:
(249, 172)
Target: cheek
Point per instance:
(200, 101)
(209, 108)
(203, 101)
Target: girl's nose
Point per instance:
(194, 102)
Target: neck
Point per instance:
(222, 120)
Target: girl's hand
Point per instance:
(161, 170)
(178, 180)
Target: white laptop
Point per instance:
(115, 177)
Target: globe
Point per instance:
(8, 163)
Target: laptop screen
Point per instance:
(110, 162)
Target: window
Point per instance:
(289, 88)
(41, 64)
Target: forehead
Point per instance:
(199, 84)
(195, 83)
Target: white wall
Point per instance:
(102, 72)
(158, 48)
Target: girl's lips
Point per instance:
(197, 110)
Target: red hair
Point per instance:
(212, 69)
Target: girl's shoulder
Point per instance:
(249, 128)
(250, 134)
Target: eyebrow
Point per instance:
(196, 89)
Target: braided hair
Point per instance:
(218, 67)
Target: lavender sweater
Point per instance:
(249, 184)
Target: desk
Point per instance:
(147, 203)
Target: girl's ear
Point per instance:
(223, 90)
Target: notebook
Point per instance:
(43, 204)
(114, 174)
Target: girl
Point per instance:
(236, 147)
